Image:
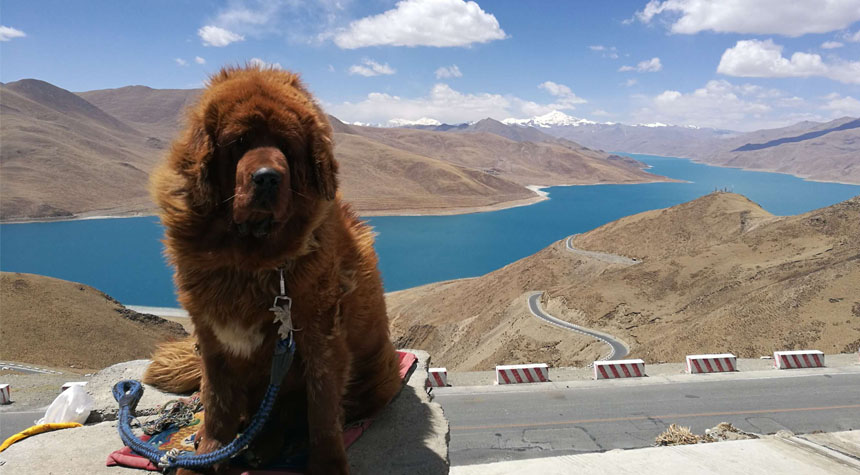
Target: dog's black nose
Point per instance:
(266, 179)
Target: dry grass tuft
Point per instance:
(676, 435)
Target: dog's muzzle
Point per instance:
(266, 184)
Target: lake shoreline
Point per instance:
(125, 259)
(540, 195)
(763, 170)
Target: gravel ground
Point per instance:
(34, 391)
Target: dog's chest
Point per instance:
(239, 339)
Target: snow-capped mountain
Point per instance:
(406, 122)
(550, 119)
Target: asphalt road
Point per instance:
(26, 369)
(13, 422)
(501, 423)
(602, 256)
(618, 349)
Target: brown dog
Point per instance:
(248, 188)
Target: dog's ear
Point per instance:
(192, 155)
(321, 151)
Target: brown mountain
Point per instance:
(819, 151)
(826, 152)
(717, 274)
(520, 162)
(158, 111)
(62, 155)
(68, 154)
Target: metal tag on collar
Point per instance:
(282, 309)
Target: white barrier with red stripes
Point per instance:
(522, 373)
(798, 359)
(5, 394)
(437, 378)
(712, 363)
(619, 369)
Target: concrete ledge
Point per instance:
(409, 436)
(767, 456)
(101, 385)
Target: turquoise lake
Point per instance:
(122, 257)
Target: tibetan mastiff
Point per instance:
(248, 192)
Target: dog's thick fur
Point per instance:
(226, 248)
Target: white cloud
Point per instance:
(600, 112)
(565, 98)
(724, 105)
(448, 72)
(648, 66)
(852, 37)
(370, 68)
(442, 103)
(630, 82)
(605, 51)
(199, 60)
(219, 37)
(298, 21)
(841, 106)
(7, 33)
(754, 58)
(781, 17)
(331, 68)
(423, 23)
(832, 45)
(181, 62)
(259, 63)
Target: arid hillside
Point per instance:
(73, 327)
(717, 274)
(827, 152)
(68, 155)
(62, 156)
(526, 163)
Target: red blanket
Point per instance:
(180, 438)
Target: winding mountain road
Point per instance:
(619, 349)
(601, 256)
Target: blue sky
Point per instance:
(736, 64)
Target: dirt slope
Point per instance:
(62, 155)
(718, 274)
(828, 151)
(526, 163)
(65, 325)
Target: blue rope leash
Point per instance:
(128, 393)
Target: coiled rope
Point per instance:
(128, 393)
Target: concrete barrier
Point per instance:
(619, 369)
(522, 373)
(72, 383)
(437, 378)
(712, 363)
(798, 359)
(5, 394)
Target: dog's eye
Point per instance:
(240, 144)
